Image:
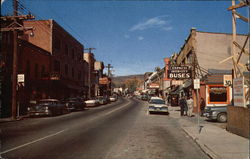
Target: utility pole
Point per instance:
(15, 26)
(89, 73)
(109, 71)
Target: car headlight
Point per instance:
(28, 108)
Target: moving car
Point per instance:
(157, 104)
(74, 104)
(113, 98)
(102, 100)
(48, 107)
(218, 113)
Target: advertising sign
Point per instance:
(196, 83)
(154, 85)
(177, 82)
(179, 72)
(227, 80)
(20, 78)
(238, 92)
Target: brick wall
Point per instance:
(238, 120)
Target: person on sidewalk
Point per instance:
(185, 106)
(190, 104)
(182, 105)
(202, 106)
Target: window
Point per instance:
(36, 70)
(79, 75)
(56, 66)
(66, 69)
(218, 94)
(28, 68)
(43, 71)
(66, 49)
(57, 43)
(73, 72)
(189, 58)
(73, 54)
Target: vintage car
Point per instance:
(218, 113)
(48, 107)
(157, 105)
(74, 104)
(92, 102)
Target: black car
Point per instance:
(218, 113)
(74, 104)
(48, 107)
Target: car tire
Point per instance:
(222, 117)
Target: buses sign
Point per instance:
(179, 72)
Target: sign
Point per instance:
(20, 78)
(238, 92)
(154, 85)
(196, 83)
(179, 72)
(103, 80)
(177, 82)
(227, 80)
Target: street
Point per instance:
(119, 130)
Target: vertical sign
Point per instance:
(238, 90)
(227, 80)
(196, 83)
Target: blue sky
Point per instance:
(133, 36)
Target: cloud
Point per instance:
(157, 22)
(140, 38)
(126, 36)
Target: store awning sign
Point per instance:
(238, 92)
(179, 72)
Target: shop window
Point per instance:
(43, 71)
(66, 69)
(218, 94)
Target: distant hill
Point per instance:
(118, 80)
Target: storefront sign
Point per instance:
(103, 80)
(153, 86)
(227, 80)
(238, 92)
(179, 72)
(177, 82)
(196, 83)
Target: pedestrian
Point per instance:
(190, 104)
(185, 107)
(182, 105)
(202, 106)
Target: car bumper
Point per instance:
(210, 116)
(38, 113)
(90, 104)
(158, 110)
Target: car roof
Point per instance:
(156, 98)
(48, 100)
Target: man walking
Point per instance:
(190, 104)
(182, 105)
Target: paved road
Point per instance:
(121, 130)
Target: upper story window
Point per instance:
(73, 72)
(66, 49)
(73, 53)
(57, 43)
(189, 58)
(56, 66)
(36, 70)
(28, 68)
(43, 71)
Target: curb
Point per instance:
(202, 146)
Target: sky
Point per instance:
(133, 36)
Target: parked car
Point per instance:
(145, 97)
(48, 107)
(102, 100)
(157, 104)
(74, 104)
(92, 102)
(112, 98)
(218, 113)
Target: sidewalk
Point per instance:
(215, 141)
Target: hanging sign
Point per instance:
(238, 92)
(179, 72)
(196, 83)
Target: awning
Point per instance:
(178, 90)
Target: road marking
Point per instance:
(32, 142)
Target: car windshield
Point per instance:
(157, 101)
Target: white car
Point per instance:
(112, 99)
(91, 102)
(157, 104)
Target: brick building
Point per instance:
(67, 68)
